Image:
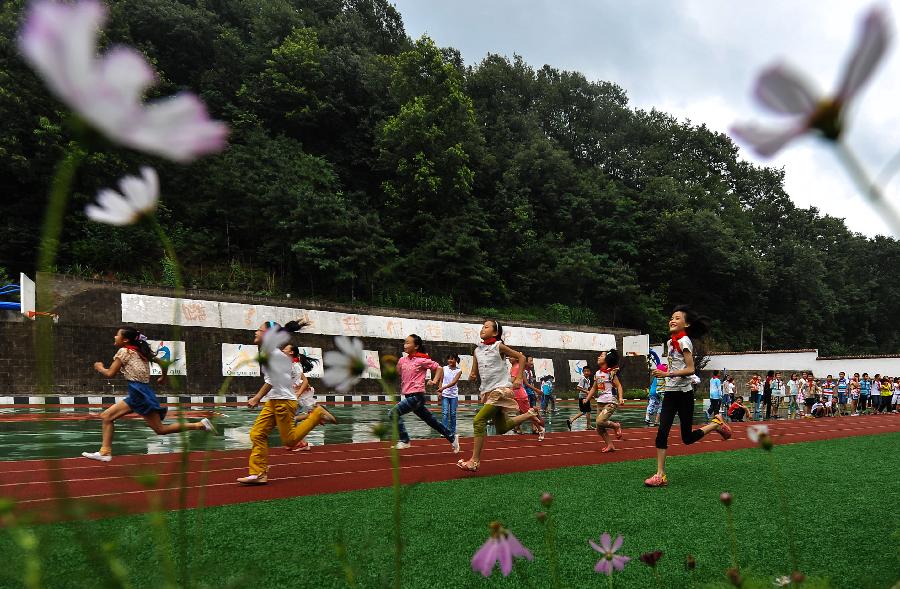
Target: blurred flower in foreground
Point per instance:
(759, 434)
(60, 42)
(609, 560)
(346, 365)
(786, 91)
(138, 197)
(651, 558)
(502, 546)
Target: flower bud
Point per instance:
(734, 577)
(797, 577)
(541, 516)
(546, 499)
(690, 563)
(725, 498)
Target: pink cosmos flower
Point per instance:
(755, 432)
(138, 198)
(786, 91)
(610, 559)
(60, 42)
(502, 546)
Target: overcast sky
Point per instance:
(697, 59)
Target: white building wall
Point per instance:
(782, 361)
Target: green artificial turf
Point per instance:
(842, 496)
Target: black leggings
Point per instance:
(682, 403)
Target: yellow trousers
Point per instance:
(278, 413)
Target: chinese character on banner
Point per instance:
(352, 325)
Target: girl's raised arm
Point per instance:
(473, 374)
(111, 371)
(618, 385)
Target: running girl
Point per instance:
(412, 369)
(522, 400)
(684, 325)
(496, 390)
(584, 403)
(449, 391)
(604, 381)
(133, 361)
(306, 398)
(279, 406)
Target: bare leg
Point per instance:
(163, 429)
(109, 416)
(660, 461)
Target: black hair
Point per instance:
(770, 374)
(715, 373)
(697, 325)
(417, 341)
(612, 358)
(134, 337)
(305, 361)
(739, 398)
(455, 357)
(497, 328)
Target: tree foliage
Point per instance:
(364, 163)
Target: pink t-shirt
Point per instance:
(520, 393)
(412, 373)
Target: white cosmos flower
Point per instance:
(277, 364)
(786, 91)
(346, 365)
(754, 432)
(138, 197)
(60, 42)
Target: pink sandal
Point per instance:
(724, 429)
(657, 481)
(618, 428)
(468, 466)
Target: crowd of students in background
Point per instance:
(803, 395)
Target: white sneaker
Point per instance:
(541, 434)
(208, 426)
(402, 445)
(455, 443)
(98, 456)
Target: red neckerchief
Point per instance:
(489, 340)
(674, 340)
(134, 348)
(418, 355)
(295, 359)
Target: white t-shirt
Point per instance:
(491, 367)
(604, 382)
(676, 362)
(282, 384)
(449, 375)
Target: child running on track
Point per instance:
(604, 381)
(449, 391)
(496, 390)
(279, 403)
(584, 402)
(684, 325)
(653, 403)
(522, 399)
(412, 369)
(306, 398)
(133, 361)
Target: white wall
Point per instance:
(799, 361)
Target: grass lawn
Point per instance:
(842, 495)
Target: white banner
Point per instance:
(193, 312)
(575, 368)
(170, 352)
(635, 345)
(543, 367)
(373, 365)
(240, 360)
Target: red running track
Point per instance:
(116, 487)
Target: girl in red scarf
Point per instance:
(684, 325)
(605, 380)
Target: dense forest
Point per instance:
(364, 165)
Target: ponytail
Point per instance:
(697, 325)
(138, 340)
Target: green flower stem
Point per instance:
(732, 537)
(782, 505)
(870, 189)
(395, 470)
(184, 542)
(656, 576)
(550, 544)
(610, 580)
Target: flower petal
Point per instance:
(505, 556)
(619, 561)
(618, 543)
(755, 431)
(603, 566)
(606, 542)
(483, 560)
(786, 91)
(596, 547)
(516, 547)
(873, 41)
(767, 142)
